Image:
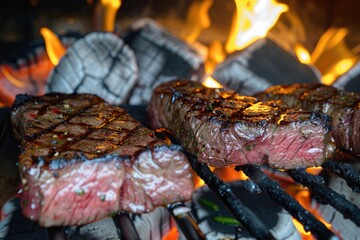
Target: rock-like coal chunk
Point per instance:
(99, 63)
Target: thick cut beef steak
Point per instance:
(223, 128)
(83, 159)
(343, 107)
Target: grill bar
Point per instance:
(325, 195)
(185, 222)
(310, 223)
(345, 171)
(248, 219)
(126, 226)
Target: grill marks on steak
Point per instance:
(223, 128)
(83, 159)
(343, 107)
(63, 126)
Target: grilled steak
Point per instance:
(83, 159)
(343, 107)
(223, 128)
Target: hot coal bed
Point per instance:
(146, 55)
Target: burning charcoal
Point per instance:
(345, 228)
(161, 57)
(100, 63)
(350, 80)
(261, 65)
(27, 72)
(217, 222)
(151, 225)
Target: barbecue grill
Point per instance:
(243, 214)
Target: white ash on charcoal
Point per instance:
(350, 81)
(217, 222)
(99, 63)
(13, 226)
(161, 57)
(149, 226)
(345, 228)
(261, 65)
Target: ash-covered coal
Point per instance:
(99, 63)
(345, 227)
(217, 222)
(261, 65)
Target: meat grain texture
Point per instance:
(343, 108)
(83, 159)
(225, 129)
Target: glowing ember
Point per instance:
(252, 21)
(54, 47)
(314, 170)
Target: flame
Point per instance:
(302, 54)
(11, 78)
(314, 170)
(230, 174)
(197, 19)
(172, 234)
(302, 195)
(215, 56)
(54, 48)
(105, 14)
(211, 83)
(331, 55)
(252, 21)
(338, 69)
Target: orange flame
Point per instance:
(54, 47)
(215, 56)
(105, 15)
(302, 54)
(331, 55)
(14, 81)
(197, 19)
(211, 83)
(252, 21)
(302, 195)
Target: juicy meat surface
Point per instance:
(223, 128)
(343, 108)
(83, 159)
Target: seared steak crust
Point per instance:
(83, 159)
(224, 128)
(343, 107)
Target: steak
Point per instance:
(343, 107)
(224, 129)
(83, 159)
